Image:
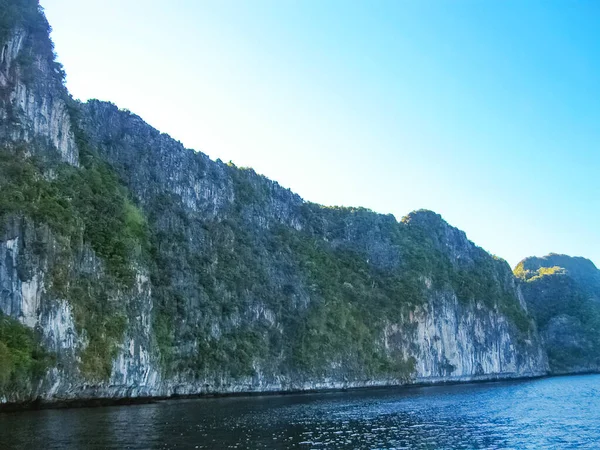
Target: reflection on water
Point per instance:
(550, 413)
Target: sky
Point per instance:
(485, 112)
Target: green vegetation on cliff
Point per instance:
(22, 359)
(422, 239)
(353, 304)
(86, 206)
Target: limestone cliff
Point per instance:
(131, 266)
(33, 101)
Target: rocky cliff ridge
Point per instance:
(131, 266)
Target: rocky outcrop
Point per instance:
(34, 113)
(147, 269)
(458, 343)
(563, 294)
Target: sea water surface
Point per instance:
(557, 413)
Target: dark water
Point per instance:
(556, 413)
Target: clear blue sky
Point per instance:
(486, 112)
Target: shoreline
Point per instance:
(40, 404)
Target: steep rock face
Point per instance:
(449, 340)
(30, 256)
(374, 236)
(33, 101)
(458, 343)
(154, 164)
(563, 294)
(146, 269)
